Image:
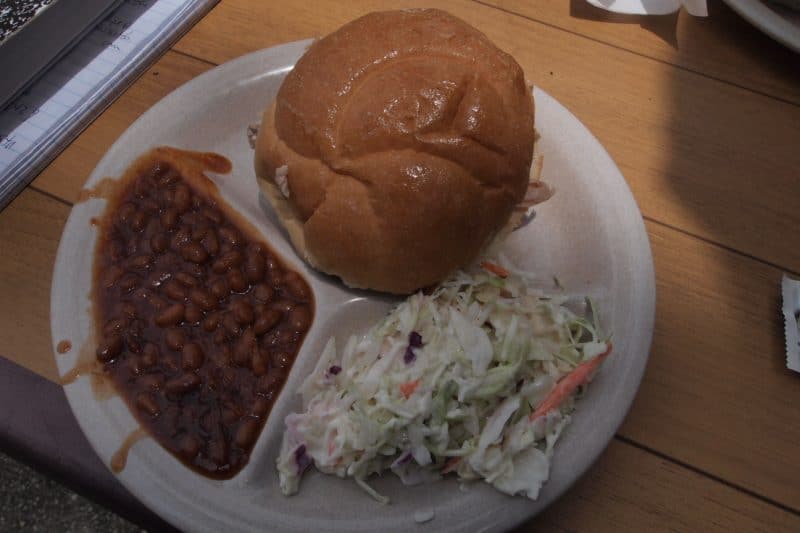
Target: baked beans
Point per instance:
(198, 323)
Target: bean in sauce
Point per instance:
(198, 322)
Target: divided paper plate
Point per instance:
(590, 235)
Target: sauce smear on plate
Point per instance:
(64, 346)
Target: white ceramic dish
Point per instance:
(779, 22)
(590, 234)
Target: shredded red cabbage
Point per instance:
(414, 341)
(400, 461)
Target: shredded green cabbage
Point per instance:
(492, 350)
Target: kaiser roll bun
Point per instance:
(397, 148)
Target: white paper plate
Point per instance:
(590, 234)
(779, 22)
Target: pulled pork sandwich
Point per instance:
(397, 148)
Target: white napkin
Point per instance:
(697, 8)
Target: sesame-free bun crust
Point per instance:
(408, 138)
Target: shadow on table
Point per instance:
(716, 166)
(745, 192)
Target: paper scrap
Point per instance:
(791, 321)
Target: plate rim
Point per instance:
(648, 280)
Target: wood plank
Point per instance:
(632, 490)
(701, 155)
(66, 174)
(723, 45)
(30, 228)
(717, 394)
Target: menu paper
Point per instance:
(38, 124)
(791, 321)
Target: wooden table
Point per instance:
(702, 115)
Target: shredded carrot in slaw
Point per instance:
(451, 465)
(408, 388)
(495, 269)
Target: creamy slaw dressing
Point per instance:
(447, 382)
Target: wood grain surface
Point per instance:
(630, 489)
(717, 394)
(723, 46)
(703, 118)
(65, 176)
(30, 228)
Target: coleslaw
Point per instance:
(477, 378)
